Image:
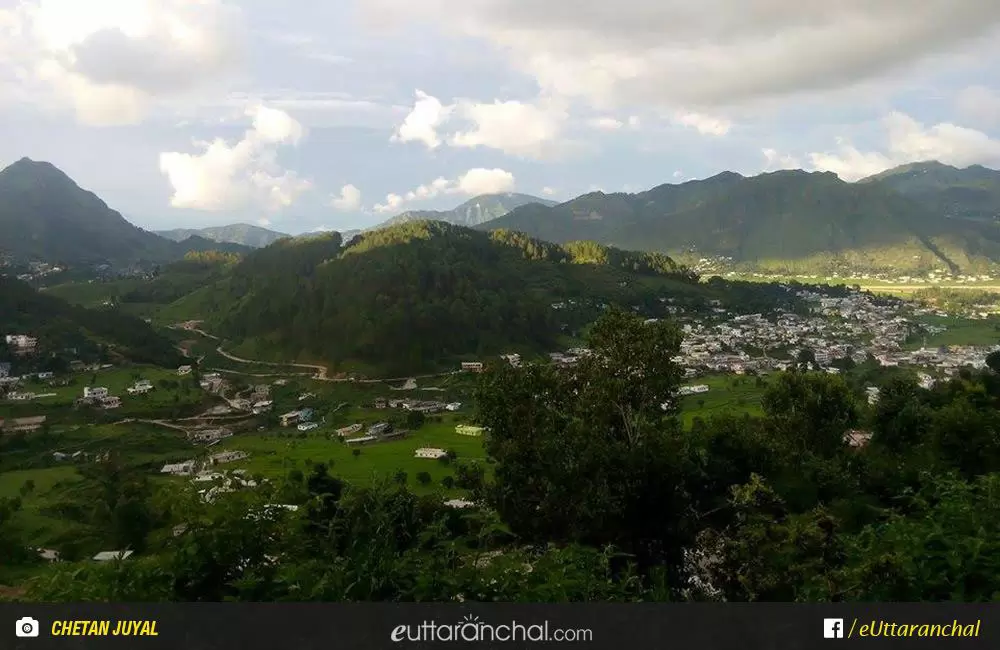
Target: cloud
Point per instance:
(718, 52)
(472, 183)
(421, 124)
(514, 127)
(705, 124)
(348, 200)
(109, 61)
(980, 105)
(908, 141)
(775, 160)
(548, 191)
(606, 123)
(231, 176)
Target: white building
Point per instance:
(107, 556)
(94, 392)
(429, 452)
(187, 468)
(469, 430)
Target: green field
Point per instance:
(961, 331)
(726, 394)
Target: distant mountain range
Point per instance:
(913, 218)
(44, 215)
(916, 218)
(475, 211)
(243, 234)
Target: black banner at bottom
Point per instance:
(217, 626)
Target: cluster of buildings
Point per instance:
(419, 406)
(201, 469)
(21, 344)
(378, 432)
(856, 326)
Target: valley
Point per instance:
(482, 390)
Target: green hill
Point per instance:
(969, 193)
(46, 216)
(94, 334)
(473, 212)
(790, 221)
(243, 234)
(421, 294)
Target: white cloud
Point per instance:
(910, 141)
(980, 105)
(514, 127)
(634, 122)
(230, 176)
(606, 123)
(548, 191)
(263, 222)
(109, 61)
(680, 53)
(472, 183)
(705, 124)
(348, 200)
(775, 160)
(422, 123)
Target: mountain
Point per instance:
(969, 193)
(96, 334)
(199, 244)
(45, 215)
(237, 233)
(421, 294)
(787, 221)
(473, 212)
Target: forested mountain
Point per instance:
(473, 212)
(788, 220)
(969, 193)
(418, 294)
(243, 234)
(92, 333)
(199, 244)
(46, 216)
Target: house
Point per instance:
(857, 438)
(380, 403)
(94, 392)
(107, 556)
(22, 425)
(111, 402)
(306, 414)
(472, 366)
(228, 457)
(692, 390)
(348, 430)
(459, 503)
(209, 436)
(454, 406)
(429, 452)
(262, 407)
(290, 418)
(186, 468)
(307, 426)
(184, 370)
(43, 376)
(304, 396)
(261, 391)
(5, 369)
(21, 343)
(362, 440)
(139, 390)
(48, 554)
(379, 428)
(469, 430)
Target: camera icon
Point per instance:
(27, 627)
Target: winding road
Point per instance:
(320, 373)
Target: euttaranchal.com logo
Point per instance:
(472, 630)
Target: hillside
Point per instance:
(92, 334)
(421, 294)
(46, 216)
(788, 221)
(199, 244)
(473, 212)
(969, 193)
(243, 234)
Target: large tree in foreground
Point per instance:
(591, 452)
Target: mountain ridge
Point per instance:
(244, 234)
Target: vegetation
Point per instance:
(596, 493)
(790, 222)
(473, 212)
(71, 332)
(243, 234)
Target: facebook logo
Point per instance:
(833, 628)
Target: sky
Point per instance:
(337, 115)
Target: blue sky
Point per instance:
(306, 116)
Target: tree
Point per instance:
(448, 481)
(993, 361)
(424, 478)
(355, 452)
(414, 420)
